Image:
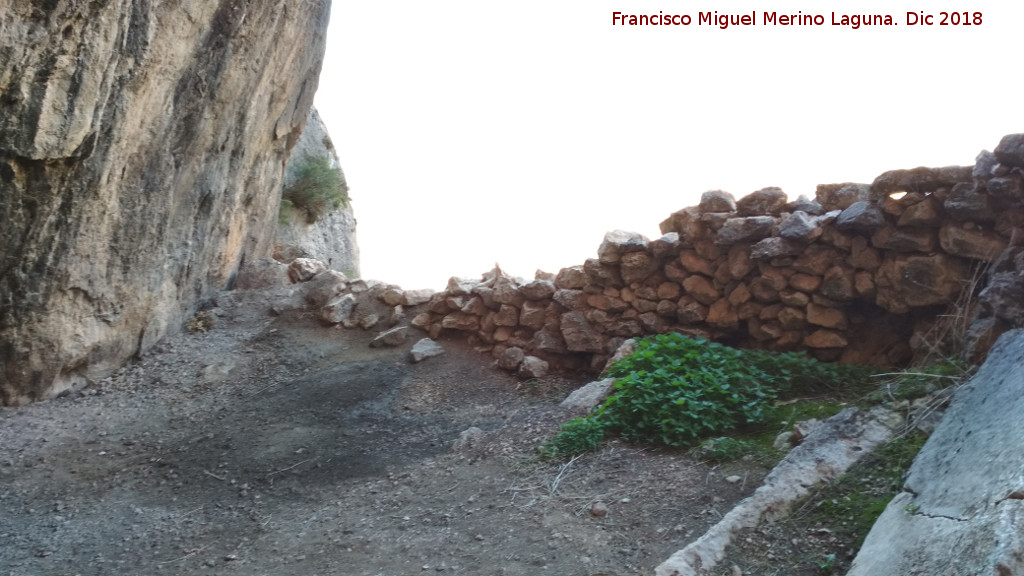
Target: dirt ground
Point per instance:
(274, 445)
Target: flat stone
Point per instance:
(736, 230)
(860, 217)
(588, 397)
(423, 349)
(764, 202)
(842, 196)
(417, 297)
(775, 247)
(826, 317)
(919, 180)
(905, 239)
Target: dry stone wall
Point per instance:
(861, 273)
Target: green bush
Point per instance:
(318, 188)
(675, 389)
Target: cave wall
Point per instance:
(142, 149)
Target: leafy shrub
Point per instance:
(318, 188)
(576, 436)
(724, 449)
(676, 389)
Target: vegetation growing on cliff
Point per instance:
(317, 189)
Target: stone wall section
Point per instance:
(858, 274)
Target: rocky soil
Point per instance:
(276, 445)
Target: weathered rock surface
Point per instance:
(588, 397)
(962, 509)
(338, 309)
(532, 367)
(262, 273)
(332, 238)
(828, 451)
(141, 154)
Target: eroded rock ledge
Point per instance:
(962, 509)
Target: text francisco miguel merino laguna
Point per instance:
(855, 21)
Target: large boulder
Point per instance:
(1010, 150)
(141, 155)
(962, 509)
(906, 282)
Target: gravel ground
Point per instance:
(274, 445)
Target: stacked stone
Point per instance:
(850, 275)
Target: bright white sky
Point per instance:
(475, 132)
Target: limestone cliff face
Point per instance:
(332, 238)
(142, 148)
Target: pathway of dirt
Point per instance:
(278, 446)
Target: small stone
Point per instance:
(302, 269)
(599, 510)
(588, 397)
(733, 479)
(416, 297)
(841, 196)
(511, 358)
(468, 438)
(338, 309)
(782, 441)
(860, 217)
(423, 349)
(532, 367)
(619, 242)
(753, 228)
(717, 201)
